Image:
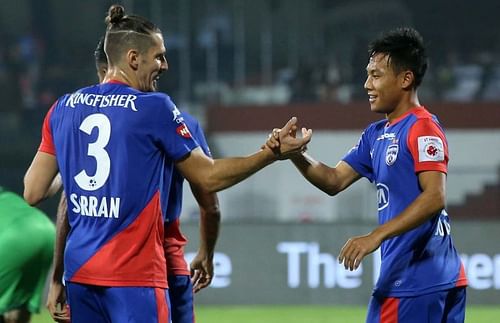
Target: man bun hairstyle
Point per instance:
(405, 49)
(115, 14)
(125, 32)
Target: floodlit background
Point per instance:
(244, 67)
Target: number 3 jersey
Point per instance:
(115, 146)
(422, 260)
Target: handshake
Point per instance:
(284, 142)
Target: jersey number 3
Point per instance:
(96, 150)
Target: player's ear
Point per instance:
(407, 79)
(133, 59)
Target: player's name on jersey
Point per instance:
(102, 101)
(105, 207)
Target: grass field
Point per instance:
(300, 314)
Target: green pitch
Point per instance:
(299, 314)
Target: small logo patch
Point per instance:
(391, 154)
(176, 113)
(430, 148)
(183, 131)
(382, 196)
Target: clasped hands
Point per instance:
(284, 142)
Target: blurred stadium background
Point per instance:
(245, 67)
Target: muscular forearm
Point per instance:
(209, 219)
(62, 229)
(320, 175)
(213, 175)
(209, 231)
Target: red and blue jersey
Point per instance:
(114, 146)
(424, 259)
(172, 201)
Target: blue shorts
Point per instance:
(181, 298)
(446, 306)
(98, 304)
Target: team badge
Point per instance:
(391, 154)
(430, 148)
(183, 131)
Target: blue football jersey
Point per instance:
(424, 259)
(114, 146)
(172, 199)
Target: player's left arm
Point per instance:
(40, 177)
(202, 268)
(425, 206)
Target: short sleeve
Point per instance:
(174, 134)
(428, 146)
(200, 138)
(359, 157)
(47, 143)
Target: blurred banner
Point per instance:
(297, 264)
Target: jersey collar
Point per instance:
(117, 82)
(404, 115)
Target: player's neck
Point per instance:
(117, 74)
(405, 105)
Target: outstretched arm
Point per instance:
(330, 180)
(425, 206)
(202, 269)
(217, 174)
(56, 299)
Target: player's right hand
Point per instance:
(284, 142)
(202, 272)
(56, 303)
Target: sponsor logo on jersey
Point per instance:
(430, 148)
(183, 131)
(176, 113)
(382, 196)
(390, 135)
(102, 101)
(391, 154)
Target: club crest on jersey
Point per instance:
(391, 154)
(183, 131)
(430, 148)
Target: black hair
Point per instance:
(405, 50)
(126, 31)
(99, 54)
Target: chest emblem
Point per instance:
(391, 154)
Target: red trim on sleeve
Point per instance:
(47, 143)
(428, 146)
